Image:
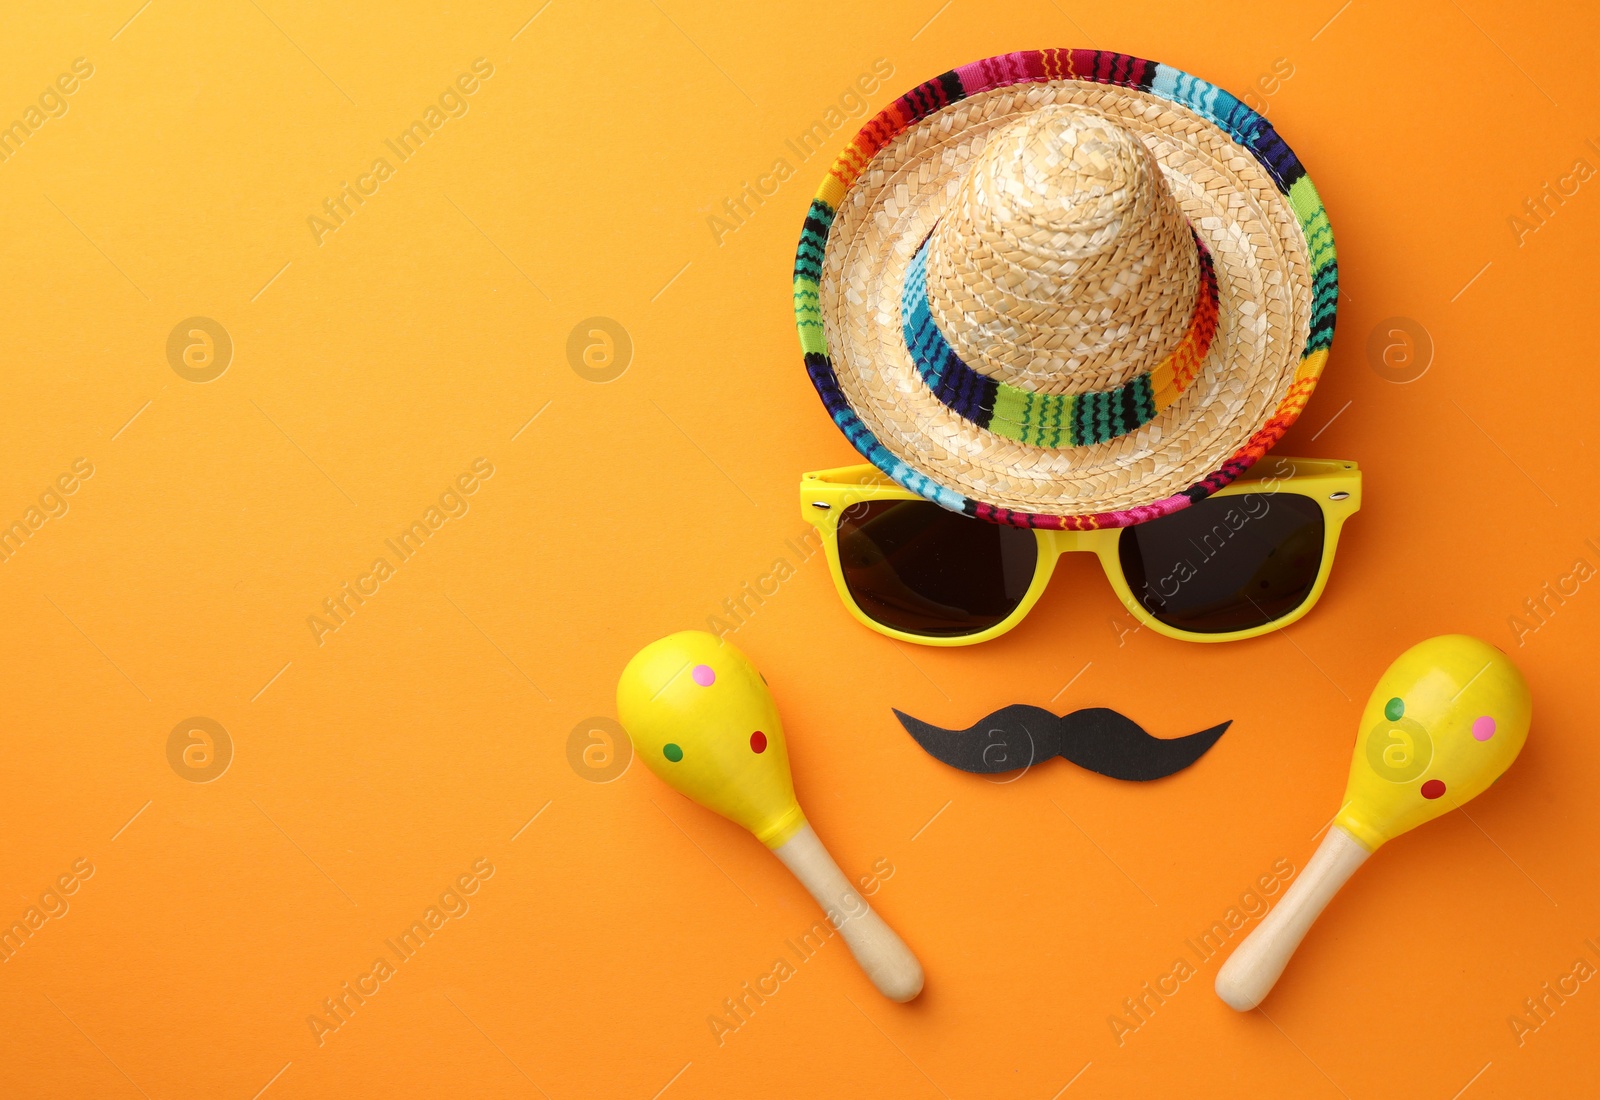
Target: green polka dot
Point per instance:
(672, 752)
(1394, 709)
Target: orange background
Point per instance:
(426, 732)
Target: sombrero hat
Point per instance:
(1065, 288)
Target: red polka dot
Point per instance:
(758, 742)
(1433, 788)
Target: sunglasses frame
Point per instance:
(1335, 485)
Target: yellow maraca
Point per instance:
(1445, 721)
(699, 716)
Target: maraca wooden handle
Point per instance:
(1250, 973)
(884, 956)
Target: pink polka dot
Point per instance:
(1483, 728)
(758, 742)
(704, 676)
(1433, 788)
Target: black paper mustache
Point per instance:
(1098, 739)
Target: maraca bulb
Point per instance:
(1445, 721)
(700, 717)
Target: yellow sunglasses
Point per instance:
(1251, 558)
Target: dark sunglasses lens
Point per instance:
(1226, 563)
(918, 568)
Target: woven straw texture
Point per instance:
(1078, 292)
(1053, 219)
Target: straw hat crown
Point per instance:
(1064, 265)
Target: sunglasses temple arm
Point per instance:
(888, 962)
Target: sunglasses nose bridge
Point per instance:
(1056, 543)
